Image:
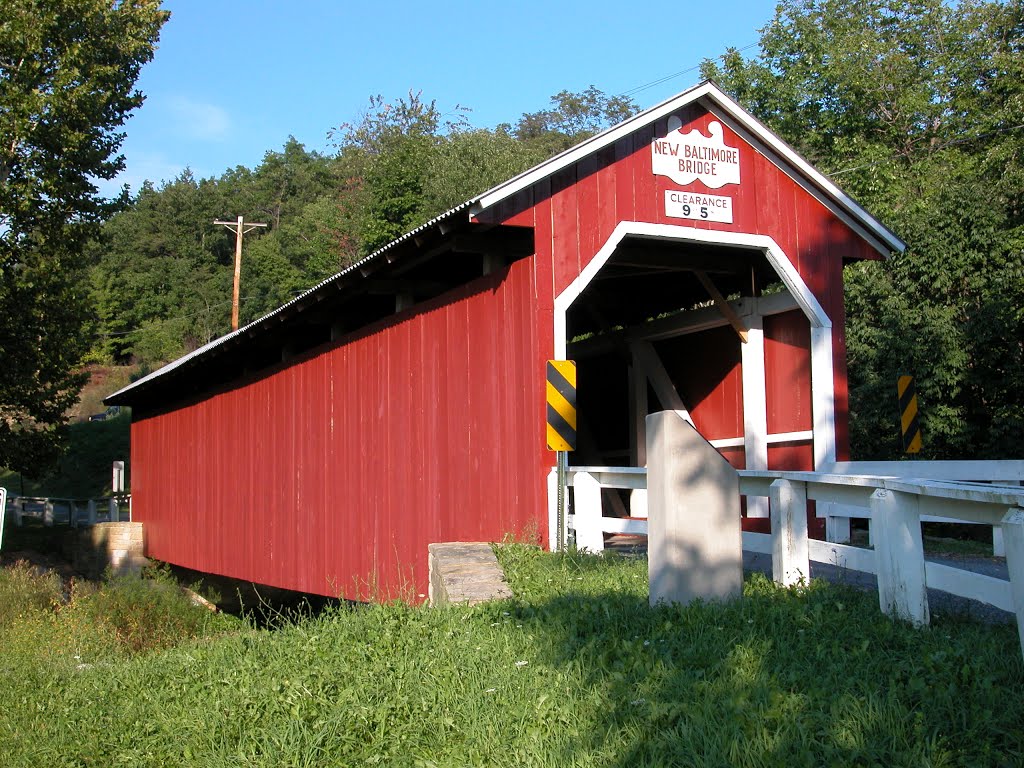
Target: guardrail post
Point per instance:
(998, 547)
(48, 513)
(90, 511)
(638, 503)
(115, 512)
(899, 549)
(73, 513)
(19, 512)
(837, 529)
(1012, 527)
(587, 502)
(790, 559)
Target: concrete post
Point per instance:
(115, 512)
(790, 558)
(694, 547)
(1012, 527)
(90, 511)
(899, 552)
(587, 501)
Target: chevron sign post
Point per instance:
(910, 426)
(561, 426)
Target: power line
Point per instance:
(688, 70)
(940, 147)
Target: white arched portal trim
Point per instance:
(822, 375)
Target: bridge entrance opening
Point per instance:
(720, 331)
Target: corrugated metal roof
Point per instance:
(267, 318)
(709, 91)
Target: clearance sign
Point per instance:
(686, 158)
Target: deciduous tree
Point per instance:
(916, 107)
(67, 83)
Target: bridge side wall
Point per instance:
(333, 473)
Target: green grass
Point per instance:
(576, 670)
(48, 626)
(952, 540)
(940, 545)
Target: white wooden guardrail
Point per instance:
(992, 472)
(52, 510)
(895, 506)
(3, 514)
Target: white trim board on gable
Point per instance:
(712, 98)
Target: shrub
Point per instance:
(147, 614)
(26, 589)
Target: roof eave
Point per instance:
(295, 305)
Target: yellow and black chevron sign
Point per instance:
(910, 428)
(561, 397)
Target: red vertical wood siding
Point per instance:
(709, 377)
(571, 229)
(787, 372)
(332, 474)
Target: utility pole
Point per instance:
(239, 228)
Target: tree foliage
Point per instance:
(916, 107)
(161, 272)
(573, 117)
(67, 83)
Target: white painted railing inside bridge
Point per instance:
(894, 505)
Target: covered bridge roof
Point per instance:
(446, 252)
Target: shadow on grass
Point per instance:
(810, 676)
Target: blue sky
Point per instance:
(233, 79)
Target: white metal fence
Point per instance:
(894, 505)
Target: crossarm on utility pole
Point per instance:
(240, 228)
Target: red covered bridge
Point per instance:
(688, 259)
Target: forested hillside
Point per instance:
(915, 108)
(161, 273)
